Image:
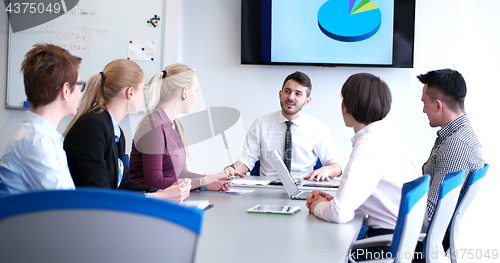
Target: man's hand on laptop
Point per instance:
(321, 174)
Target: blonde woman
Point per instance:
(95, 144)
(158, 154)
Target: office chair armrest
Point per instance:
(382, 240)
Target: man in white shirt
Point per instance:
(308, 138)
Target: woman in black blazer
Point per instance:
(95, 144)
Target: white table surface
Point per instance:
(230, 234)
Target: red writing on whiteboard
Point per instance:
(73, 36)
(77, 48)
(73, 40)
(93, 31)
(44, 29)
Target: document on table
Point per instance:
(200, 204)
(245, 182)
(234, 191)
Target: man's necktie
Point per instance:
(288, 146)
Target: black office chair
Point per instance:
(256, 169)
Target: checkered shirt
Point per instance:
(456, 148)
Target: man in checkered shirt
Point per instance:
(456, 147)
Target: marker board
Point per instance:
(98, 32)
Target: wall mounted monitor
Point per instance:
(328, 32)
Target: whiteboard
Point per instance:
(98, 32)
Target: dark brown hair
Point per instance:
(46, 67)
(366, 97)
(302, 79)
(447, 85)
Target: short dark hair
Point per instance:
(302, 79)
(366, 97)
(447, 85)
(46, 67)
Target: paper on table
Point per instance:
(245, 182)
(201, 204)
(142, 50)
(233, 191)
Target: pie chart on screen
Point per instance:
(349, 20)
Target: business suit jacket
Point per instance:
(93, 154)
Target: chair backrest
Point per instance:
(256, 168)
(410, 218)
(470, 191)
(445, 206)
(96, 225)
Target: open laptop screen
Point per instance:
(284, 175)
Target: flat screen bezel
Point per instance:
(256, 38)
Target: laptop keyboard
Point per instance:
(303, 194)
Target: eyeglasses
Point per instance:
(81, 83)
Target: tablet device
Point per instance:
(274, 209)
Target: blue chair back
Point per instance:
(470, 190)
(96, 225)
(256, 169)
(410, 218)
(447, 200)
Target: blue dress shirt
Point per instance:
(34, 159)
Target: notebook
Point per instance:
(287, 180)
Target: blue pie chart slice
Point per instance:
(337, 21)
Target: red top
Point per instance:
(158, 156)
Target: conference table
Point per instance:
(231, 234)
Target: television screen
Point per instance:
(328, 32)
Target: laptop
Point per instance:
(287, 180)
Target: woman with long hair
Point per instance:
(159, 149)
(95, 144)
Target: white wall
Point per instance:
(449, 33)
